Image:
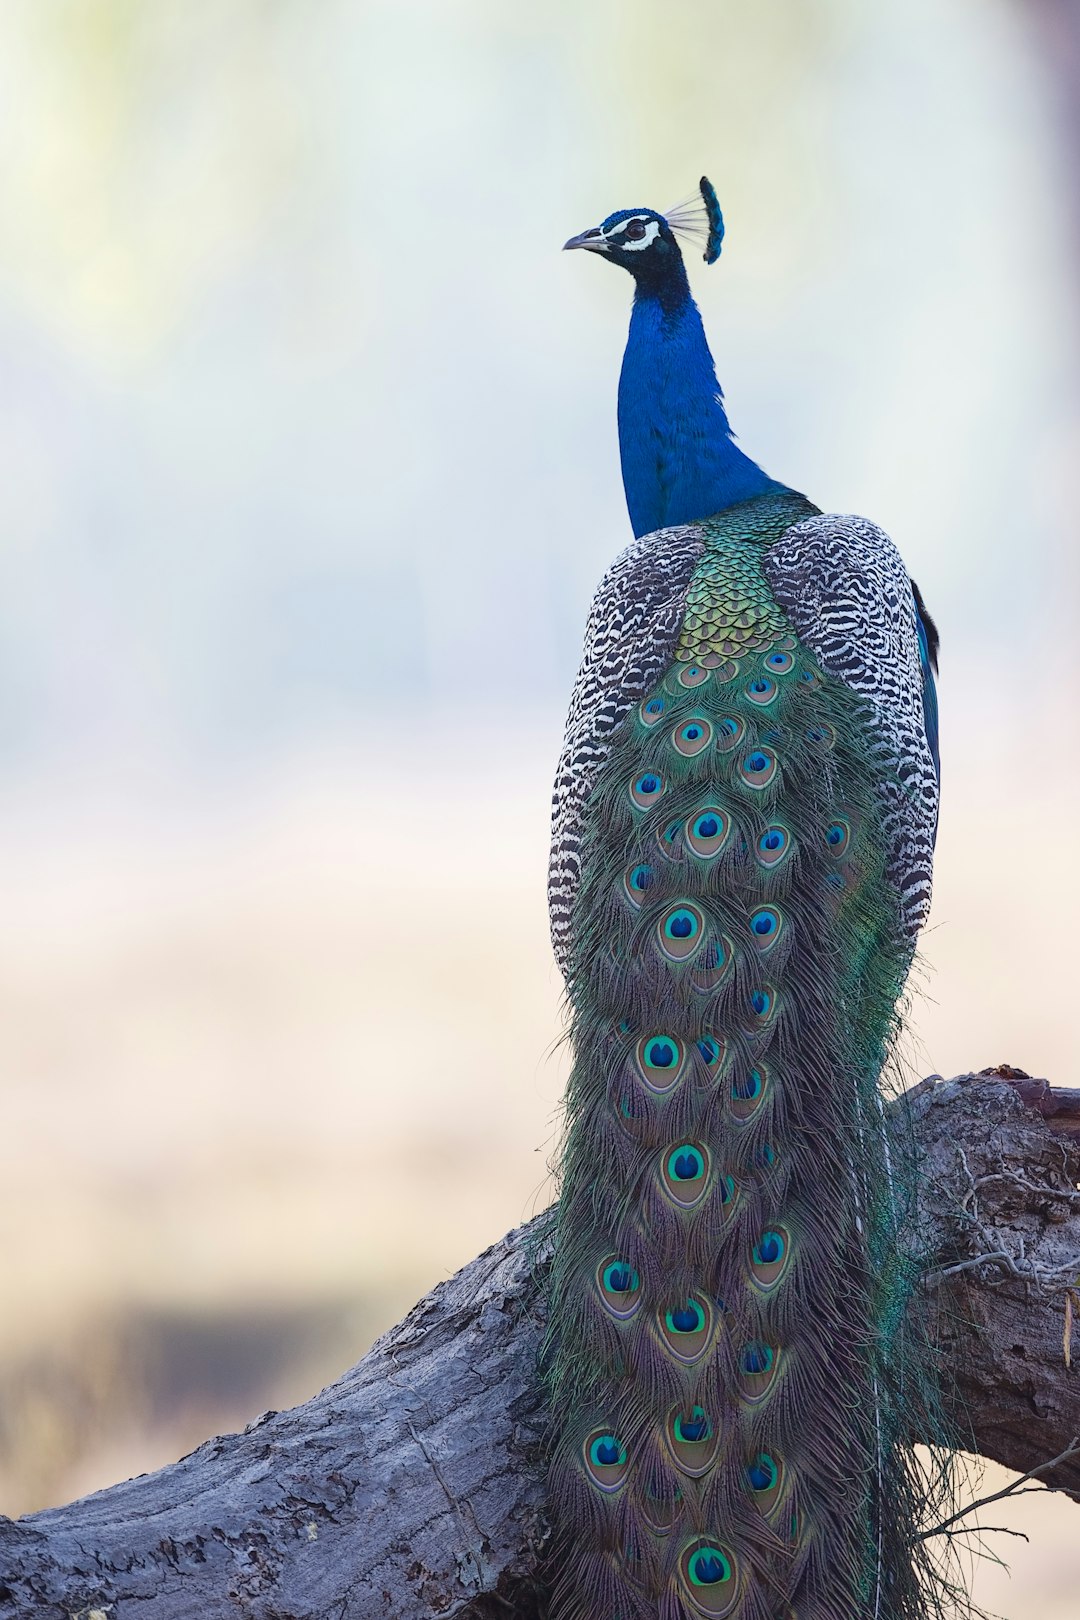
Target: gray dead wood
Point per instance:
(411, 1487)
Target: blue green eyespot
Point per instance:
(692, 736)
(680, 931)
(645, 791)
(620, 1278)
(661, 1053)
(686, 1163)
(684, 1172)
(686, 1329)
(757, 1358)
(711, 1051)
(659, 1062)
(758, 1365)
(762, 690)
(758, 768)
(730, 732)
(637, 880)
(837, 837)
(773, 845)
(763, 1005)
(607, 1451)
(748, 1091)
(687, 1318)
(693, 1427)
(605, 1460)
(667, 839)
(620, 1287)
(708, 1566)
(770, 1256)
(707, 832)
(766, 925)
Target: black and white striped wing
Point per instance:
(630, 639)
(843, 585)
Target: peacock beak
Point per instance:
(593, 241)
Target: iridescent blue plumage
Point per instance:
(679, 457)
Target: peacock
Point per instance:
(744, 819)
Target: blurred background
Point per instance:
(308, 452)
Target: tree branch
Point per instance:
(411, 1488)
(1016, 1488)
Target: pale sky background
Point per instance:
(307, 441)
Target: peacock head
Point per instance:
(631, 237)
(644, 241)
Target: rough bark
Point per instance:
(411, 1487)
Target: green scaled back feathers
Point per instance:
(728, 1366)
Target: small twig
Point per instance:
(1054, 1194)
(998, 1257)
(1071, 1450)
(972, 1192)
(980, 1530)
(1048, 1281)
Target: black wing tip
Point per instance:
(933, 638)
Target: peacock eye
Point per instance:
(635, 230)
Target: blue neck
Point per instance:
(679, 460)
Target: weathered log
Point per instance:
(1001, 1160)
(411, 1487)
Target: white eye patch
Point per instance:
(627, 245)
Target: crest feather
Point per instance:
(698, 219)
